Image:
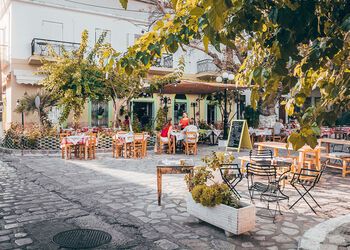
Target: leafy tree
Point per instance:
(74, 78)
(27, 105)
(294, 47)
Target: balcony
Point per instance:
(41, 47)
(206, 68)
(163, 65)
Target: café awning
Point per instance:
(199, 88)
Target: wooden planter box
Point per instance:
(232, 220)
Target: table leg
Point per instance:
(159, 186)
(66, 152)
(275, 152)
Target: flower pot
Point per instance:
(100, 117)
(232, 220)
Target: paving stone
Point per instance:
(20, 235)
(5, 232)
(4, 238)
(13, 225)
(23, 241)
(247, 244)
(289, 231)
(222, 245)
(165, 244)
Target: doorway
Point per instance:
(99, 114)
(144, 112)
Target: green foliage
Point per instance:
(136, 124)
(293, 47)
(27, 105)
(73, 77)
(160, 119)
(215, 194)
(216, 159)
(252, 116)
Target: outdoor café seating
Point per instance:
(190, 143)
(304, 182)
(231, 175)
(263, 179)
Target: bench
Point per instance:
(343, 157)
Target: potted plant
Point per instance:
(214, 203)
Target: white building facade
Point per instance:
(27, 27)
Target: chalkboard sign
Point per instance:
(238, 136)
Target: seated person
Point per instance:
(184, 121)
(191, 128)
(165, 133)
(278, 127)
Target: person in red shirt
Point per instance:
(165, 133)
(184, 121)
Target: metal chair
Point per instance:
(304, 182)
(263, 179)
(263, 156)
(232, 175)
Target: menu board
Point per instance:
(238, 136)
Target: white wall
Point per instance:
(28, 26)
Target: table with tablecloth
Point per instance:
(75, 140)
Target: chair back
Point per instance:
(63, 135)
(92, 140)
(262, 156)
(264, 170)
(191, 137)
(139, 137)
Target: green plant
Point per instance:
(27, 105)
(136, 124)
(216, 193)
(203, 125)
(252, 116)
(160, 119)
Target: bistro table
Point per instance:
(276, 146)
(172, 167)
(75, 140)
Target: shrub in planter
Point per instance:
(214, 202)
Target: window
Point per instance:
(100, 32)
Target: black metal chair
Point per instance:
(232, 175)
(263, 156)
(304, 182)
(263, 179)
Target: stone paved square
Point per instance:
(43, 195)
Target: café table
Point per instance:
(172, 167)
(276, 146)
(75, 140)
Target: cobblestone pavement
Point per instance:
(45, 195)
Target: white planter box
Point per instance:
(232, 220)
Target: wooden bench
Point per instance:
(343, 157)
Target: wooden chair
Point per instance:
(137, 148)
(92, 141)
(65, 147)
(117, 145)
(190, 143)
(277, 138)
(162, 143)
(145, 140)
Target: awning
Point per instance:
(26, 77)
(196, 87)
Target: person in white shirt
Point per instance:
(278, 127)
(191, 128)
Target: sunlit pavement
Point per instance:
(43, 195)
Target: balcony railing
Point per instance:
(166, 61)
(41, 47)
(206, 65)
